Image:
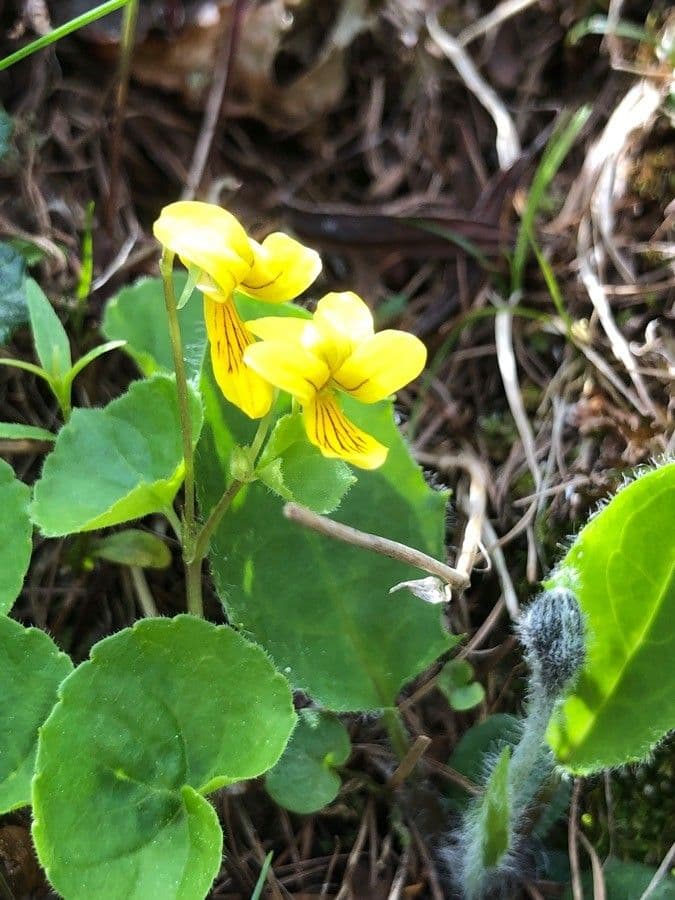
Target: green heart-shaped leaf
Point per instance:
(31, 669)
(114, 464)
(162, 714)
(15, 535)
(137, 315)
(320, 607)
(622, 567)
(304, 780)
(455, 681)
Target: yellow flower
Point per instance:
(210, 239)
(337, 350)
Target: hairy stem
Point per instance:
(203, 537)
(396, 731)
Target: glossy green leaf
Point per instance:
(305, 780)
(133, 547)
(322, 608)
(15, 536)
(31, 669)
(114, 464)
(495, 812)
(162, 714)
(456, 682)
(13, 431)
(137, 315)
(13, 306)
(627, 881)
(622, 566)
(49, 336)
(296, 470)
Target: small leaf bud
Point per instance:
(554, 635)
(241, 467)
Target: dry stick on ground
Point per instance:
(507, 367)
(259, 852)
(396, 890)
(507, 142)
(413, 756)
(478, 529)
(354, 855)
(476, 505)
(492, 20)
(599, 891)
(588, 258)
(222, 72)
(660, 873)
(129, 20)
(433, 879)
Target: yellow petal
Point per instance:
(280, 328)
(342, 320)
(345, 314)
(228, 338)
(288, 366)
(381, 365)
(282, 269)
(332, 432)
(207, 237)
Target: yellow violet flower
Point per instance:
(336, 351)
(208, 238)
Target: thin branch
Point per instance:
(409, 761)
(508, 591)
(375, 544)
(660, 873)
(507, 143)
(492, 20)
(476, 504)
(599, 889)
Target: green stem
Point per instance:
(145, 599)
(62, 392)
(203, 538)
(174, 521)
(193, 577)
(193, 573)
(398, 737)
(260, 435)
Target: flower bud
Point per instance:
(554, 635)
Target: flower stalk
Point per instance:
(195, 603)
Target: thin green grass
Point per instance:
(559, 145)
(257, 891)
(62, 31)
(601, 25)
